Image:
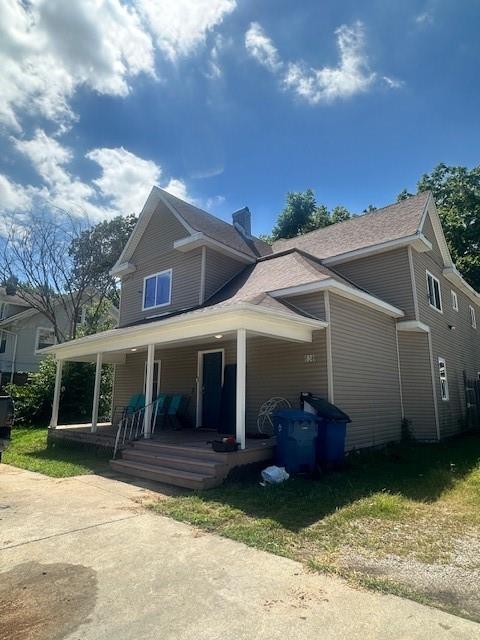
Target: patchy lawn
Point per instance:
(405, 520)
(29, 450)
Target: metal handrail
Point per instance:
(134, 425)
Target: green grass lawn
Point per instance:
(29, 450)
(411, 502)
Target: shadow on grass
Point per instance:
(419, 472)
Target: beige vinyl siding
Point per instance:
(428, 232)
(417, 384)
(153, 254)
(311, 303)
(219, 269)
(459, 346)
(274, 368)
(386, 275)
(365, 373)
(279, 368)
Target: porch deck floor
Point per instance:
(197, 438)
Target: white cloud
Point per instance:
(393, 83)
(351, 76)
(260, 47)
(122, 187)
(13, 196)
(424, 18)
(213, 202)
(126, 179)
(50, 47)
(180, 26)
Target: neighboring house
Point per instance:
(369, 313)
(23, 332)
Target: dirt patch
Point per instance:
(45, 601)
(452, 584)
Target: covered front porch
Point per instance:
(202, 357)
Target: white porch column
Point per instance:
(149, 391)
(96, 392)
(241, 385)
(56, 395)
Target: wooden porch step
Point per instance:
(184, 451)
(155, 458)
(166, 475)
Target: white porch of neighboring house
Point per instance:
(222, 329)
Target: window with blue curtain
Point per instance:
(157, 289)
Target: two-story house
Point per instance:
(25, 331)
(369, 313)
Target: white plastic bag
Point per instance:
(274, 475)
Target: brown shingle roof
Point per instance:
(275, 272)
(383, 225)
(217, 229)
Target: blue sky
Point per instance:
(232, 102)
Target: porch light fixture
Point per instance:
(133, 349)
(218, 336)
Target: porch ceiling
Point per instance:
(189, 328)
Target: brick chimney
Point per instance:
(242, 221)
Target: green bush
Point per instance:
(33, 400)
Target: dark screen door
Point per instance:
(211, 389)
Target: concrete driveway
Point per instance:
(81, 559)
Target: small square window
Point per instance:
(454, 301)
(45, 338)
(473, 317)
(433, 291)
(157, 290)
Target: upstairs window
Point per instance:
(45, 338)
(473, 317)
(157, 290)
(454, 301)
(3, 342)
(3, 309)
(81, 316)
(433, 291)
(442, 370)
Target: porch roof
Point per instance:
(276, 321)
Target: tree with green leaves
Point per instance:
(302, 214)
(456, 191)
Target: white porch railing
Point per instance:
(132, 427)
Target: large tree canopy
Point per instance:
(302, 214)
(456, 191)
(58, 265)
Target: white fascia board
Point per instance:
(199, 239)
(330, 284)
(418, 241)
(454, 276)
(413, 325)
(155, 197)
(431, 211)
(196, 324)
(119, 270)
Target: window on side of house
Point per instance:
(45, 338)
(433, 291)
(473, 317)
(157, 290)
(3, 310)
(81, 315)
(454, 301)
(442, 371)
(3, 342)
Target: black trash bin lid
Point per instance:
(295, 414)
(325, 409)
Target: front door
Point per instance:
(211, 389)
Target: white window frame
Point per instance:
(159, 375)
(434, 279)
(443, 379)
(3, 336)
(3, 310)
(454, 300)
(155, 275)
(38, 334)
(473, 316)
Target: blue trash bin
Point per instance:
(332, 428)
(296, 432)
